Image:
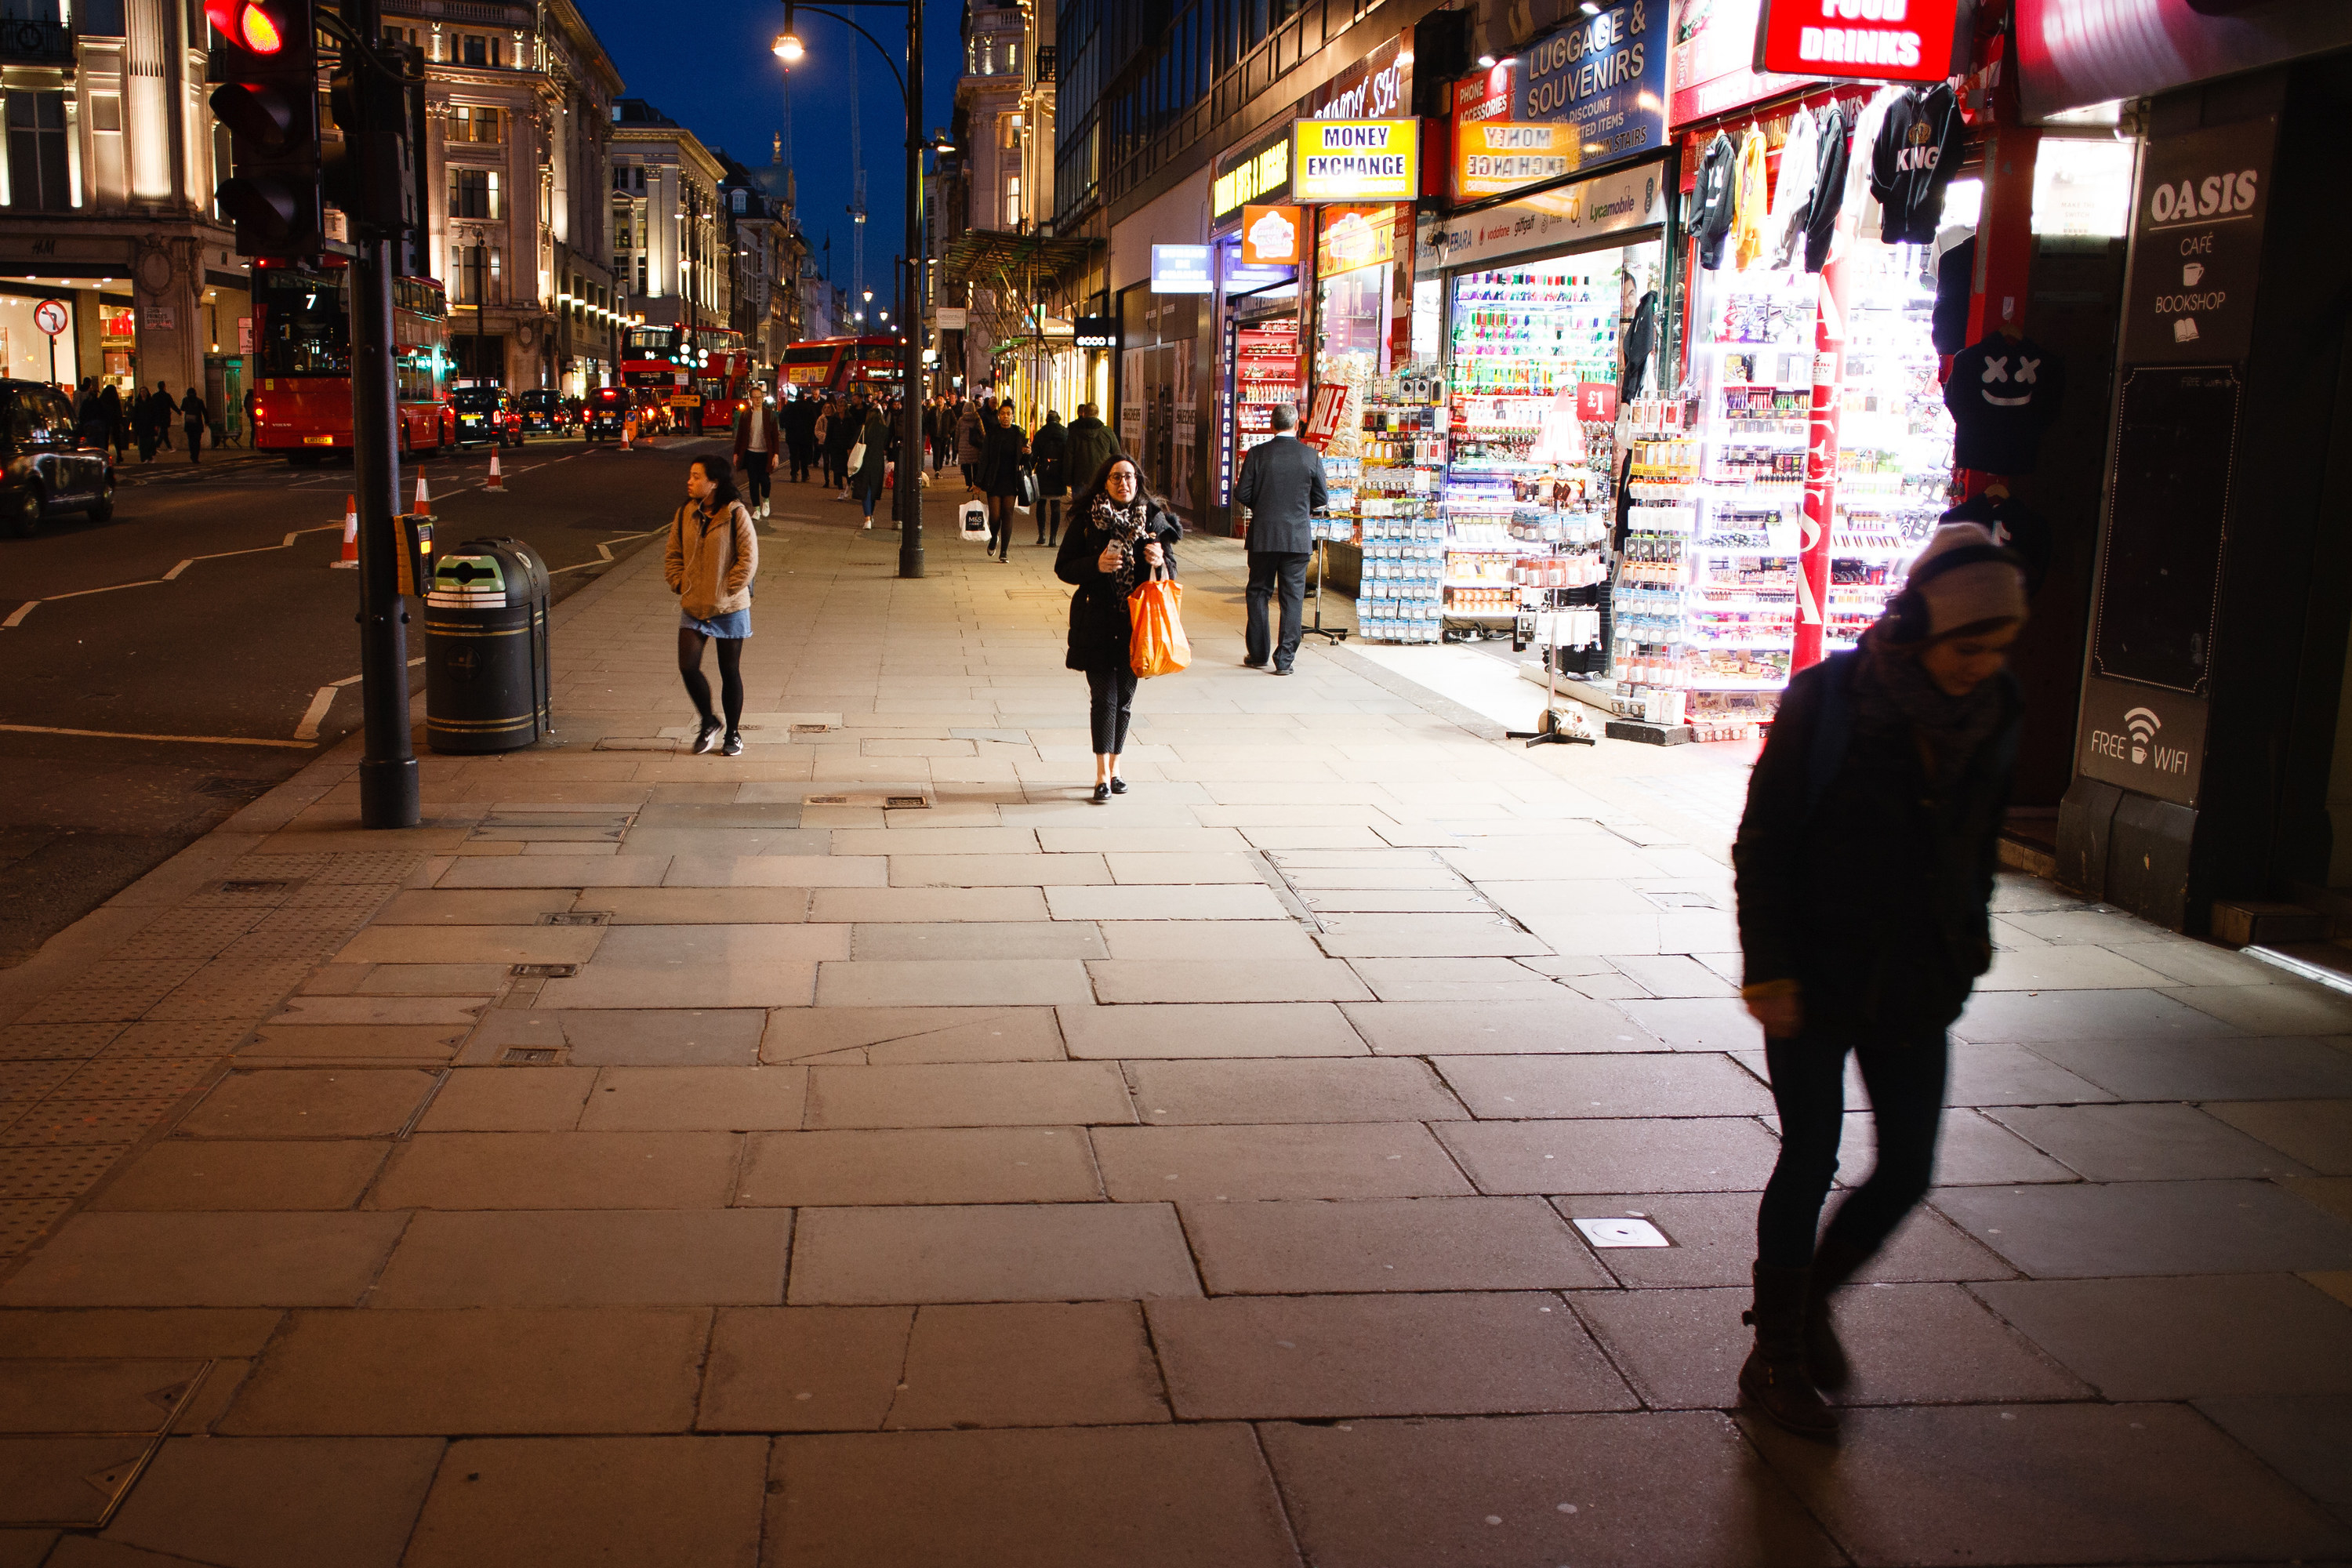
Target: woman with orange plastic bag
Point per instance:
(1120, 538)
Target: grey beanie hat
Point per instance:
(1986, 584)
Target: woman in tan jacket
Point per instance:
(712, 556)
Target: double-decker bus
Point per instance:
(700, 377)
(820, 366)
(303, 382)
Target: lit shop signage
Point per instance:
(1357, 161)
(1579, 99)
(1376, 87)
(1860, 40)
(1710, 68)
(1097, 332)
(1270, 236)
(1606, 203)
(1262, 172)
(1355, 237)
(1180, 269)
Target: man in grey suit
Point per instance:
(1282, 485)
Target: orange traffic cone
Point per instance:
(423, 498)
(628, 434)
(496, 481)
(350, 534)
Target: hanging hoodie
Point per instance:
(1799, 160)
(1913, 159)
(1829, 186)
(1947, 324)
(1717, 180)
(1859, 200)
(1641, 337)
(1747, 203)
(2004, 393)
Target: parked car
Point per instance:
(486, 414)
(43, 468)
(548, 413)
(608, 411)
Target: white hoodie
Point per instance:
(1784, 229)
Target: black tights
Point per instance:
(730, 674)
(1112, 704)
(1905, 1081)
(1049, 520)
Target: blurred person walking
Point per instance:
(971, 436)
(799, 420)
(873, 450)
(1282, 484)
(757, 437)
(1864, 869)
(193, 413)
(1091, 446)
(1002, 475)
(1050, 452)
(1119, 535)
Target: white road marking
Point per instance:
(604, 551)
(315, 715)
(172, 576)
(191, 739)
(18, 619)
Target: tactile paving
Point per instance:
(25, 1222)
(57, 1171)
(55, 1121)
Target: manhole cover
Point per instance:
(544, 970)
(876, 798)
(577, 918)
(527, 1056)
(1678, 899)
(812, 728)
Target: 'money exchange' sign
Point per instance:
(1357, 161)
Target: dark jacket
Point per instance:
(841, 430)
(799, 420)
(1050, 448)
(1091, 445)
(1853, 879)
(1098, 621)
(877, 436)
(1004, 458)
(1282, 484)
(192, 408)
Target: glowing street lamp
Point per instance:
(788, 48)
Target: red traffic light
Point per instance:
(250, 25)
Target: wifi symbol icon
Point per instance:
(2143, 725)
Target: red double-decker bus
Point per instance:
(700, 377)
(815, 366)
(302, 382)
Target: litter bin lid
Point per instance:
(483, 574)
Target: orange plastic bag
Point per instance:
(1156, 644)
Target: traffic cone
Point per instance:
(496, 481)
(352, 532)
(628, 434)
(423, 498)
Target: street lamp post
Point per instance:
(789, 48)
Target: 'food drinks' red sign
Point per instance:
(1861, 40)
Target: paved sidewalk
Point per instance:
(868, 1151)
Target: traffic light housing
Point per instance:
(371, 172)
(270, 104)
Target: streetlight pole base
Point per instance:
(910, 558)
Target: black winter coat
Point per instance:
(1853, 880)
(1004, 458)
(1100, 627)
(1051, 450)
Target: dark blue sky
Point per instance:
(709, 67)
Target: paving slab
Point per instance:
(1713, 1238)
(1972, 1150)
(472, 944)
(892, 1036)
(293, 1102)
(968, 1094)
(1029, 1364)
(1910, 1344)
(280, 1502)
(2186, 1338)
(2145, 1142)
(2317, 1132)
(775, 872)
(265, 1259)
(510, 1100)
(1051, 1252)
(929, 906)
(652, 1036)
(2030, 1018)
(2047, 1483)
(1651, 1084)
(804, 1369)
(1366, 1245)
(2205, 1067)
(1191, 1496)
(1209, 1029)
(166, 1332)
(1150, 980)
(910, 869)
(555, 871)
(977, 940)
(953, 982)
(219, 1175)
(2302, 1436)
(560, 1501)
(1358, 1160)
(46, 1395)
(2290, 1008)
(1667, 1489)
(595, 1259)
(920, 1165)
(1653, 1154)
(1984, 1074)
(700, 906)
(560, 1171)
(701, 965)
(1170, 1093)
(1210, 941)
(1564, 1022)
(1179, 901)
(495, 1370)
(2091, 1230)
(1323, 1356)
(494, 907)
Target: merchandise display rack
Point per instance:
(1393, 487)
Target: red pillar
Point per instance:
(1821, 455)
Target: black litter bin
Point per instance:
(486, 665)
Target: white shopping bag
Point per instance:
(975, 520)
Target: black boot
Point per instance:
(1774, 1378)
(1825, 1358)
